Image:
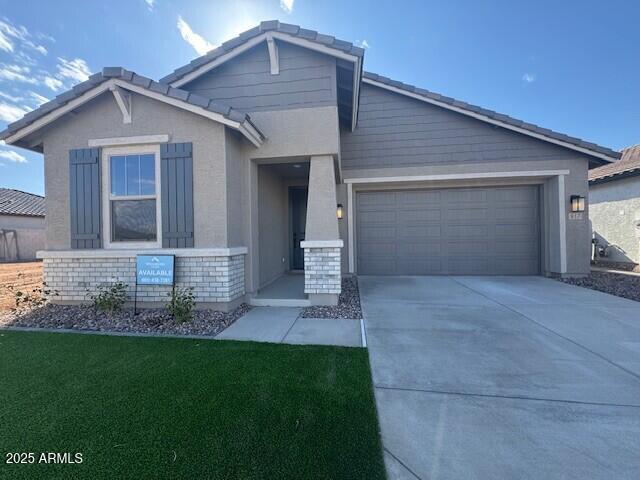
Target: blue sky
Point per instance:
(572, 66)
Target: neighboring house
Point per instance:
(21, 225)
(237, 162)
(614, 194)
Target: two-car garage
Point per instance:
(449, 231)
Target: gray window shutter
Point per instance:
(84, 179)
(177, 195)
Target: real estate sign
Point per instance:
(155, 269)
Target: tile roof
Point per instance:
(16, 202)
(267, 26)
(109, 73)
(493, 115)
(629, 164)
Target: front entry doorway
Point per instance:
(298, 208)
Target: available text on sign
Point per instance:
(155, 269)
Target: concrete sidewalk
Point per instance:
(285, 325)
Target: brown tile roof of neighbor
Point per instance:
(16, 202)
(628, 165)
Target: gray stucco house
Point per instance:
(241, 162)
(614, 194)
(22, 225)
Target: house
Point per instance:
(614, 194)
(274, 153)
(21, 225)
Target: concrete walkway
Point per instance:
(285, 325)
(503, 377)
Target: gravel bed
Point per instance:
(85, 317)
(348, 303)
(627, 267)
(619, 284)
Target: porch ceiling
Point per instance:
(291, 171)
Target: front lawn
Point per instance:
(180, 408)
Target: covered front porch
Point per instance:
(298, 245)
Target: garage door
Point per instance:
(456, 231)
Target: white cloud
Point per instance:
(362, 44)
(16, 31)
(12, 156)
(11, 113)
(53, 83)
(38, 48)
(287, 5)
(76, 69)
(37, 98)
(199, 44)
(150, 4)
(529, 78)
(16, 73)
(11, 98)
(9, 32)
(44, 36)
(5, 43)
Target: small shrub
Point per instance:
(181, 304)
(29, 299)
(110, 298)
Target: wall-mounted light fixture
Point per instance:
(340, 211)
(577, 203)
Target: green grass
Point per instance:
(180, 408)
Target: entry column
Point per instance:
(322, 275)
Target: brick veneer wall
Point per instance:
(322, 270)
(214, 279)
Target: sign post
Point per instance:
(153, 270)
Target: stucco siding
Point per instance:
(236, 191)
(306, 79)
(395, 130)
(21, 237)
(299, 132)
(614, 211)
(101, 118)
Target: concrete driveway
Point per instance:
(503, 377)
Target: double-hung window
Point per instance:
(133, 200)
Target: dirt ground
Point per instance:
(23, 276)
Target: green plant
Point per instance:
(110, 298)
(181, 304)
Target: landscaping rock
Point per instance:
(348, 303)
(619, 284)
(85, 317)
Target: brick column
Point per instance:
(322, 275)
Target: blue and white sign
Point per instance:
(154, 269)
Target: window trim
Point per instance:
(107, 153)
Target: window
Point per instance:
(133, 200)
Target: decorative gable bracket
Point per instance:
(123, 99)
(273, 55)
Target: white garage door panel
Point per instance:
(474, 231)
